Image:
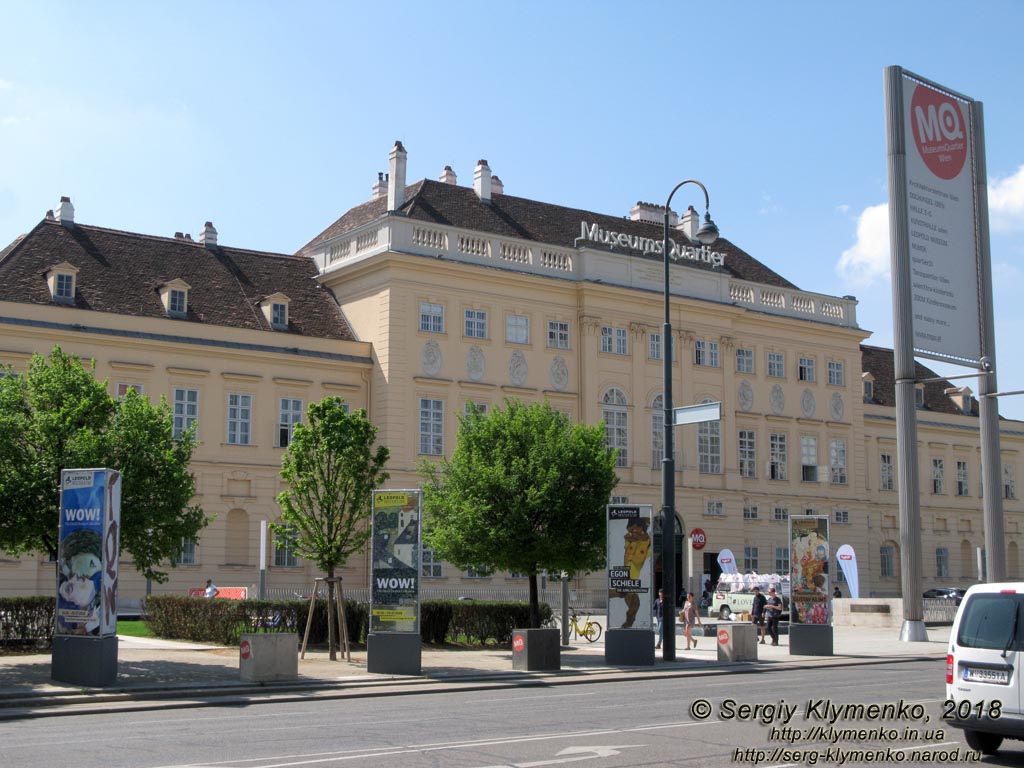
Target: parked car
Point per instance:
(983, 666)
(945, 593)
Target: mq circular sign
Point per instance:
(698, 538)
(518, 643)
(723, 636)
(937, 125)
(245, 649)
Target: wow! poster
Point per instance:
(88, 552)
(395, 567)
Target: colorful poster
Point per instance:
(395, 566)
(847, 559)
(809, 594)
(630, 571)
(88, 552)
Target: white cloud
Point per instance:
(1006, 202)
(868, 259)
(5, 84)
(843, 208)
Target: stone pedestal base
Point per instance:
(629, 647)
(268, 657)
(810, 639)
(536, 650)
(736, 642)
(87, 661)
(394, 653)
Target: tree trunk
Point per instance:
(534, 603)
(331, 621)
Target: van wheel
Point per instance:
(986, 743)
(724, 613)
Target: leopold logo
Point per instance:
(937, 124)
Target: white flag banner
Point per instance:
(727, 561)
(848, 562)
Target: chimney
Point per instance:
(651, 213)
(448, 176)
(208, 236)
(690, 224)
(396, 177)
(497, 188)
(188, 236)
(179, 236)
(380, 187)
(482, 181)
(66, 213)
(49, 215)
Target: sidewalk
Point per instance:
(156, 673)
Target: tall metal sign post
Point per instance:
(941, 290)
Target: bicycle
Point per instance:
(589, 630)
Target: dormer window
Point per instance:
(868, 382)
(174, 297)
(275, 309)
(61, 281)
(919, 395)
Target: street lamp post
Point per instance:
(707, 234)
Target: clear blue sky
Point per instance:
(271, 119)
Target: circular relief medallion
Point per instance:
(807, 403)
(746, 396)
(837, 407)
(475, 363)
(431, 358)
(777, 400)
(517, 369)
(559, 373)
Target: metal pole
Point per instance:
(988, 415)
(903, 359)
(668, 469)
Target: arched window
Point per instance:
(709, 445)
(616, 424)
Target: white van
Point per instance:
(983, 666)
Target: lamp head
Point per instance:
(708, 232)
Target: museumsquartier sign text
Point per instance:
(646, 245)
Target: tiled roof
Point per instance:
(517, 217)
(121, 273)
(880, 363)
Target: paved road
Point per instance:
(646, 721)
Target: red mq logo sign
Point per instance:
(723, 636)
(937, 125)
(518, 643)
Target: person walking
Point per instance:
(757, 612)
(211, 589)
(690, 615)
(659, 616)
(773, 612)
(837, 592)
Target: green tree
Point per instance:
(525, 490)
(331, 468)
(58, 416)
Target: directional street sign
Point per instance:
(694, 414)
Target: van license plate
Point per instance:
(997, 676)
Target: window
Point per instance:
(938, 476)
(477, 572)
(705, 353)
(748, 453)
(809, 458)
(887, 562)
(186, 410)
(430, 566)
(65, 290)
(176, 302)
(750, 512)
(558, 334)
(842, 516)
(476, 323)
(279, 315)
(919, 396)
(517, 329)
(654, 346)
(780, 514)
(750, 558)
(744, 360)
(840, 575)
(777, 456)
(709, 447)
(620, 500)
(782, 559)
(776, 365)
(837, 461)
(835, 373)
(284, 550)
(963, 487)
(291, 414)
(941, 562)
(614, 340)
(886, 476)
(431, 426)
(187, 556)
(1009, 482)
(805, 369)
(869, 390)
(239, 419)
(616, 425)
(471, 404)
(714, 508)
(431, 317)
(124, 389)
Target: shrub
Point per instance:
(27, 621)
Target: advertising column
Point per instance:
(85, 630)
(810, 597)
(393, 643)
(630, 635)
